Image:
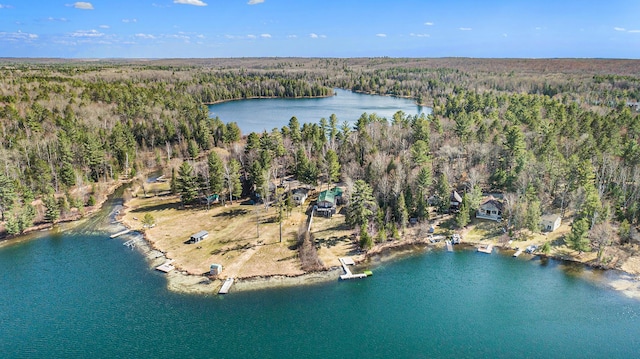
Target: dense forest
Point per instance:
(552, 136)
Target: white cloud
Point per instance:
(251, 36)
(428, 23)
(104, 26)
(505, 35)
(634, 31)
(200, 36)
(254, 2)
(2, 6)
(87, 33)
(53, 19)
(313, 36)
(145, 36)
(126, 21)
(381, 35)
(419, 35)
(292, 36)
(465, 29)
(265, 36)
(83, 5)
(190, 2)
(619, 29)
(17, 36)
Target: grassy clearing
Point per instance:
(243, 247)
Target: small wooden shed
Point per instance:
(215, 269)
(195, 238)
(550, 222)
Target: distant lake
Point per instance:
(80, 294)
(257, 115)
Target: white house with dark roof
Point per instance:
(490, 209)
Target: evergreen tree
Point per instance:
(232, 179)
(402, 216)
(577, 239)
(7, 194)
(443, 191)
(333, 166)
(532, 216)
(187, 184)
(216, 172)
(52, 211)
(463, 218)
(361, 204)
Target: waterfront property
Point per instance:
(327, 201)
(299, 195)
(215, 269)
(490, 209)
(550, 222)
(166, 267)
(226, 286)
(345, 262)
(455, 201)
(195, 238)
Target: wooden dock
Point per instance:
(518, 252)
(226, 286)
(130, 243)
(449, 246)
(346, 261)
(166, 267)
(120, 233)
(486, 249)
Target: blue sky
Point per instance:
(328, 28)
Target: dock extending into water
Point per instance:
(449, 246)
(347, 261)
(486, 249)
(130, 243)
(120, 233)
(166, 267)
(226, 286)
(518, 252)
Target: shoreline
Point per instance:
(180, 281)
(76, 218)
(266, 98)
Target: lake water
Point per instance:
(81, 294)
(257, 115)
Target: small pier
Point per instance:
(449, 246)
(130, 243)
(518, 252)
(226, 286)
(120, 233)
(347, 261)
(486, 249)
(166, 267)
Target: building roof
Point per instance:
(327, 196)
(456, 197)
(549, 217)
(200, 234)
(492, 202)
(337, 191)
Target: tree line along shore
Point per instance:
(546, 136)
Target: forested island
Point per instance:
(548, 136)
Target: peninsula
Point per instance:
(515, 152)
